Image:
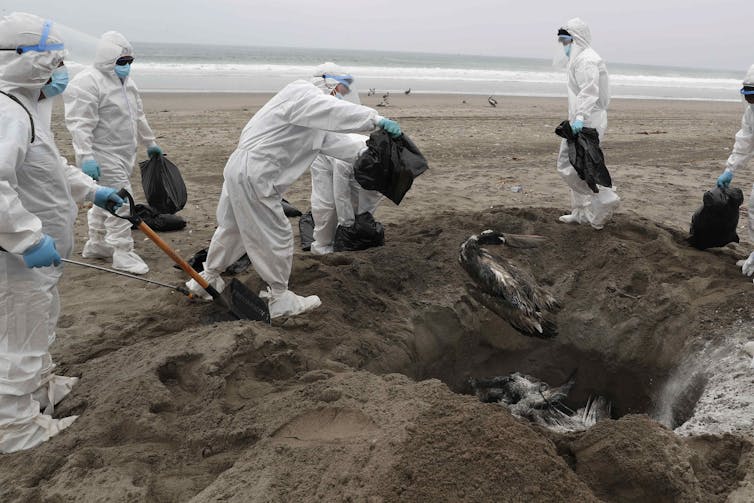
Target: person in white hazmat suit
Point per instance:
(336, 195)
(588, 97)
(276, 147)
(105, 116)
(743, 151)
(38, 195)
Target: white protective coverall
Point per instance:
(588, 97)
(743, 151)
(106, 119)
(38, 191)
(337, 198)
(277, 145)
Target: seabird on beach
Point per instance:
(492, 101)
(407, 91)
(507, 290)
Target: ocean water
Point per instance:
(205, 68)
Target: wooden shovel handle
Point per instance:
(176, 258)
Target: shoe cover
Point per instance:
(53, 389)
(129, 261)
(578, 215)
(569, 218)
(318, 249)
(602, 207)
(747, 266)
(94, 249)
(290, 304)
(214, 280)
(31, 432)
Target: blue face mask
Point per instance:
(567, 49)
(338, 95)
(58, 82)
(122, 71)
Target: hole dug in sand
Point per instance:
(635, 300)
(483, 346)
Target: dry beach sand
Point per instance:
(365, 399)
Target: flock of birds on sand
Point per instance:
(386, 97)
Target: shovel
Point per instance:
(236, 298)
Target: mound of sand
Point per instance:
(362, 400)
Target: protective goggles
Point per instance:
(42, 46)
(346, 80)
(125, 60)
(565, 39)
(747, 90)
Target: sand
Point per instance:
(366, 399)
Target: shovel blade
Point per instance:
(243, 303)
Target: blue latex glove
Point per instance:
(154, 150)
(42, 254)
(577, 126)
(106, 194)
(391, 127)
(724, 179)
(91, 168)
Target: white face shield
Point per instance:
(334, 80)
(561, 51)
(83, 49)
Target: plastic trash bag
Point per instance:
(290, 210)
(586, 156)
(714, 224)
(389, 165)
(306, 230)
(365, 233)
(162, 222)
(163, 184)
(198, 259)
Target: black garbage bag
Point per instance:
(306, 230)
(163, 184)
(389, 165)
(714, 224)
(290, 210)
(585, 155)
(162, 222)
(198, 259)
(365, 233)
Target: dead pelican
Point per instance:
(506, 290)
(531, 399)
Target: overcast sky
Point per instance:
(701, 34)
